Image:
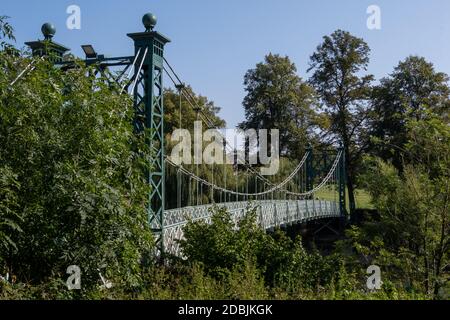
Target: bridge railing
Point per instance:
(269, 214)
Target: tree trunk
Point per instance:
(350, 185)
(351, 198)
(441, 248)
(427, 268)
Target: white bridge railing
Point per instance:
(270, 214)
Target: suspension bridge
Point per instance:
(314, 189)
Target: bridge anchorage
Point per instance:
(314, 189)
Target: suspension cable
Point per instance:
(24, 71)
(191, 100)
(207, 183)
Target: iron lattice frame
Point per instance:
(149, 119)
(319, 164)
(148, 63)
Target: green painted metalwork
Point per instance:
(40, 48)
(48, 30)
(149, 116)
(149, 21)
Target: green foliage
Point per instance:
(6, 36)
(246, 263)
(221, 249)
(219, 246)
(172, 104)
(277, 98)
(71, 177)
(10, 216)
(411, 239)
(428, 145)
(413, 93)
(337, 66)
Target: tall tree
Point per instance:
(303, 127)
(413, 92)
(337, 66)
(277, 98)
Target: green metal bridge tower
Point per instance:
(147, 92)
(149, 113)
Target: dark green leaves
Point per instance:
(71, 177)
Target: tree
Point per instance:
(278, 99)
(218, 245)
(337, 66)
(305, 123)
(413, 92)
(6, 35)
(411, 237)
(183, 110)
(188, 113)
(10, 216)
(72, 177)
(413, 234)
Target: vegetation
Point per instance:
(413, 92)
(278, 98)
(337, 65)
(72, 190)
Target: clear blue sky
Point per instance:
(214, 42)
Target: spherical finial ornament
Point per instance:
(48, 30)
(149, 20)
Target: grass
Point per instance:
(362, 197)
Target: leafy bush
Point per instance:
(410, 240)
(71, 177)
(222, 249)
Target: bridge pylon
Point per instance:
(47, 47)
(147, 91)
(149, 114)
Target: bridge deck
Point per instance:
(270, 214)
